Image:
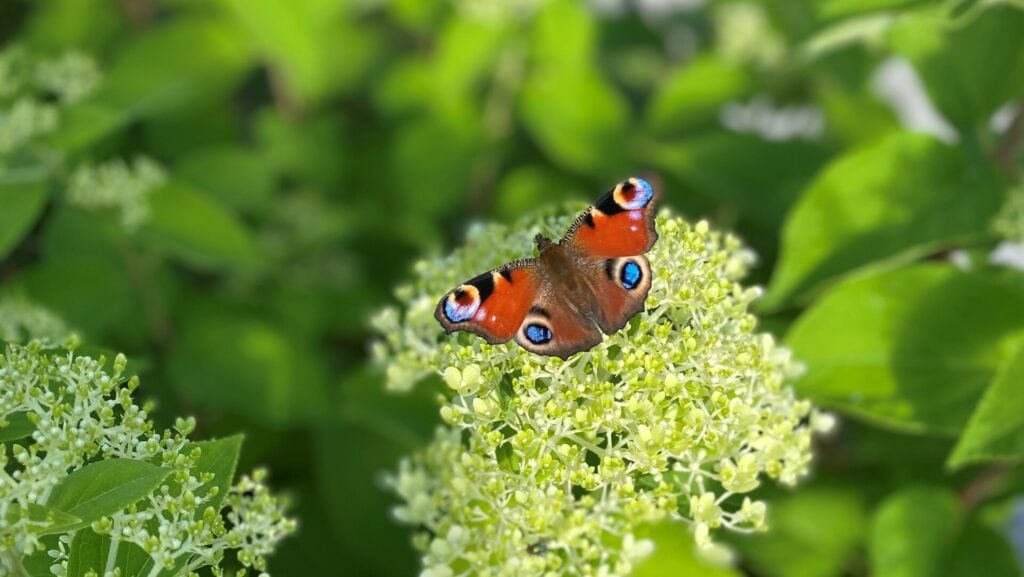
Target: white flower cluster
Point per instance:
(547, 466)
(116, 185)
(24, 81)
(22, 320)
(82, 413)
(71, 77)
(744, 35)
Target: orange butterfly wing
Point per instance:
(621, 223)
(492, 305)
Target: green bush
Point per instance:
(251, 200)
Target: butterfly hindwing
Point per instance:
(620, 223)
(554, 327)
(491, 305)
(620, 290)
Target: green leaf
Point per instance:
(195, 228)
(219, 457)
(150, 76)
(695, 93)
(241, 179)
(720, 166)
(22, 204)
(89, 553)
(56, 521)
(106, 487)
(574, 114)
(18, 427)
(892, 201)
(300, 41)
(387, 427)
(420, 164)
(833, 9)
(869, 30)
(912, 349)
(675, 554)
(83, 125)
(248, 366)
(996, 428)
(980, 551)
(911, 532)
(467, 55)
(88, 278)
(796, 545)
(970, 65)
(577, 118)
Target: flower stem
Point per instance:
(112, 555)
(14, 563)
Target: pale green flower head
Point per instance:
(117, 186)
(547, 466)
(22, 321)
(25, 81)
(80, 411)
(744, 35)
(24, 120)
(72, 77)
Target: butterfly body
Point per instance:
(592, 281)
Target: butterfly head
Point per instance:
(543, 243)
(633, 193)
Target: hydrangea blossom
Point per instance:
(547, 466)
(22, 320)
(82, 412)
(116, 185)
(70, 78)
(24, 120)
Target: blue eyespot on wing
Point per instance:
(630, 275)
(538, 334)
(553, 327)
(620, 290)
(463, 304)
(633, 194)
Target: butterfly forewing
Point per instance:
(491, 305)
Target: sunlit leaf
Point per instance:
(889, 202)
(795, 545)
(996, 428)
(911, 532)
(909, 349)
(190, 225)
(105, 487)
(970, 65)
(695, 93)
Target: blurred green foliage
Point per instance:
(314, 149)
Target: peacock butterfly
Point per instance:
(596, 277)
